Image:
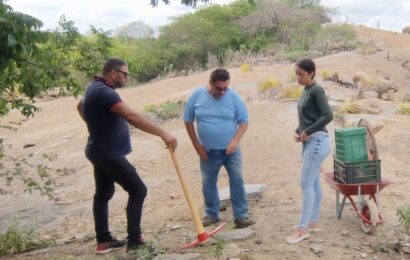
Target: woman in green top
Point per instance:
(314, 114)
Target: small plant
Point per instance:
(350, 107)
(166, 110)
(292, 77)
(404, 108)
(404, 215)
(16, 240)
(218, 246)
(326, 74)
(245, 67)
(146, 252)
(293, 92)
(367, 49)
(268, 84)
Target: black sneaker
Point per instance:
(103, 248)
(135, 245)
(243, 222)
(207, 221)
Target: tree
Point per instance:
(34, 61)
(291, 20)
(191, 2)
(185, 2)
(134, 30)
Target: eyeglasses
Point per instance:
(124, 73)
(220, 89)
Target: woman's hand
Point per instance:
(304, 137)
(296, 137)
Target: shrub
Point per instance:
(404, 108)
(268, 84)
(167, 110)
(350, 107)
(292, 92)
(245, 67)
(16, 240)
(404, 216)
(326, 74)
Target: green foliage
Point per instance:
(335, 38)
(291, 55)
(167, 110)
(147, 252)
(218, 246)
(33, 61)
(404, 215)
(134, 30)
(189, 38)
(16, 240)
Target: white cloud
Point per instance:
(101, 14)
(392, 14)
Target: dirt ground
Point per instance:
(270, 157)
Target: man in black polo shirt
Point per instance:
(107, 118)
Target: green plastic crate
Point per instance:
(351, 144)
(357, 172)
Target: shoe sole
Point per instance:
(300, 239)
(245, 226)
(108, 250)
(311, 230)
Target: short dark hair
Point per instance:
(219, 75)
(307, 65)
(113, 64)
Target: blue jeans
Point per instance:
(314, 152)
(209, 172)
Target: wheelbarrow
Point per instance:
(367, 210)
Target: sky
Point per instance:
(108, 15)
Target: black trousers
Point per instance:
(118, 170)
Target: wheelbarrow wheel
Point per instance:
(370, 212)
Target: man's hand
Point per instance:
(201, 151)
(296, 137)
(304, 137)
(231, 148)
(170, 141)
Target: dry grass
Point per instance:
(404, 108)
(245, 67)
(269, 83)
(292, 92)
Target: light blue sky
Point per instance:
(392, 14)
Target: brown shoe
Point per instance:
(207, 221)
(243, 222)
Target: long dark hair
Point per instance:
(307, 65)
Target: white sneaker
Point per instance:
(297, 236)
(310, 229)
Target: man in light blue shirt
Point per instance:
(222, 119)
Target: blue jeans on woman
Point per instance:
(314, 152)
(209, 172)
